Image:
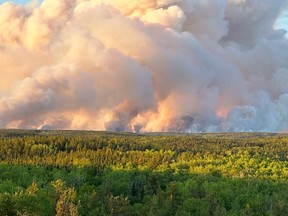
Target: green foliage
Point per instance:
(100, 173)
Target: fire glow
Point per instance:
(150, 65)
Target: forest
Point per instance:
(106, 173)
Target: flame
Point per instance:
(159, 120)
(223, 112)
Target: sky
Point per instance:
(149, 65)
(282, 22)
(16, 1)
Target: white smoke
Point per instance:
(147, 65)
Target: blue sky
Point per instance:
(16, 1)
(283, 21)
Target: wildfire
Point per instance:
(223, 112)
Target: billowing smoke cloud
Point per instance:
(147, 65)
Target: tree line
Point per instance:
(102, 173)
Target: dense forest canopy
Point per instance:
(107, 173)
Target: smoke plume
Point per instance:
(146, 65)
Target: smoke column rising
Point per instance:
(148, 65)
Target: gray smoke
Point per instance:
(149, 65)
